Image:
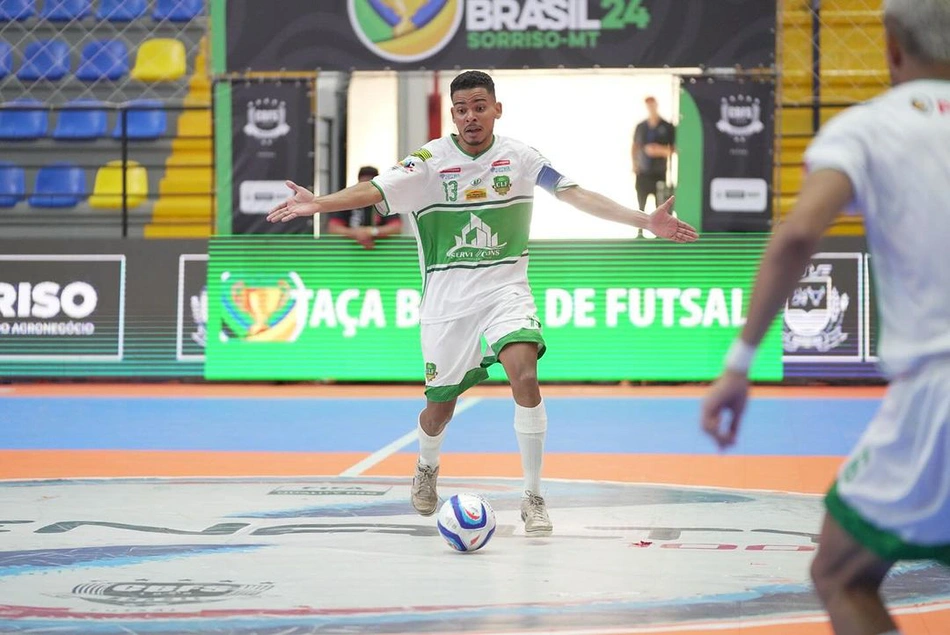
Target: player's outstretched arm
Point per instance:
(661, 223)
(303, 203)
(824, 194)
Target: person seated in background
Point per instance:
(364, 225)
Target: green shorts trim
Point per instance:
(448, 393)
(885, 544)
(522, 335)
(478, 375)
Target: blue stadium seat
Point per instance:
(59, 185)
(177, 10)
(16, 10)
(46, 59)
(23, 124)
(6, 59)
(145, 120)
(66, 10)
(12, 184)
(103, 59)
(121, 10)
(81, 119)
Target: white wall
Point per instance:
(583, 122)
(372, 127)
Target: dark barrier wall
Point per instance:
(102, 308)
(304, 35)
(294, 308)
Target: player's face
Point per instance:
(474, 112)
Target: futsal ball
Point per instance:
(467, 522)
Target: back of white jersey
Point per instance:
(896, 151)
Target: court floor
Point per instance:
(166, 509)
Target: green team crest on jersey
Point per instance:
(501, 185)
(431, 371)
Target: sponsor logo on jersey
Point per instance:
(450, 173)
(477, 241)
(922, 104)
(476, 194)
(502, 165)
(501, 185)
(422, 154)
(407, 164)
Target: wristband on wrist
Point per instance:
(740, 356)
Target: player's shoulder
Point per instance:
(516, 146)
(866, 118)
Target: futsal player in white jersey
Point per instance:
(469, 199)
(889, 159)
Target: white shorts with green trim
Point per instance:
(897, 479)
(453, 352)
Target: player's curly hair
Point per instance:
(472, 79)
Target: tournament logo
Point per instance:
(263, 310)
(405, 30)
(815, 313)
(740, 116)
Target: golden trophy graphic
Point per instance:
(405, 9)
(260, 303)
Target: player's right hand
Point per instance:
(665, 225)
(297, 205)
(728, 394)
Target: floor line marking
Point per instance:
(388, 450)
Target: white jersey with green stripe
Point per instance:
(471, 216)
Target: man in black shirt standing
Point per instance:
(364, 225)
(652, 147)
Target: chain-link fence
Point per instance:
(830, 56)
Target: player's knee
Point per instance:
(437, 415)
(525, 376)
(826, 582)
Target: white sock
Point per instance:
(892, 633)
(530, 427)
(430, 447)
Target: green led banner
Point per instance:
(295, 308)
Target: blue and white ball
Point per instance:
(467, 522)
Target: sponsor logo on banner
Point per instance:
(62, 307)
(265, 310)
(329, 489)
(477, 241)
(266, 120)
(192, 324)
(405, 30)
(148, 593)
(740, 116)
(260, 197)
(738, 195)
(824, 316)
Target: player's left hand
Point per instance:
(664, 225)
(729, 394)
